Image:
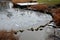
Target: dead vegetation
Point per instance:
(56, 16)
(39, 7)
(4, 35)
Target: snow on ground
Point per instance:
(23, 19)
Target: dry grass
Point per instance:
(42, 7)
(56, 16)
(4, 35)
(20, 1)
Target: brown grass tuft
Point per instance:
(4, 35)
(56, 16)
